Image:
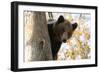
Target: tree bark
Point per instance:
(37, 41)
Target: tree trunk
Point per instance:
(37, 41)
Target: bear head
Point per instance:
(63, 29)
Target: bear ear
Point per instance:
(60, 19)
(74, 25)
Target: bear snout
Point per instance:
(64, 40)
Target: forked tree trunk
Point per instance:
(37, 41)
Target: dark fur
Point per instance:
(59, 32)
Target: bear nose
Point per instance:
(64, 40)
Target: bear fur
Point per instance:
(59, 32)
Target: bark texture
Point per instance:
(37, 41)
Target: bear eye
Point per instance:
(63, 29)
(70, 34)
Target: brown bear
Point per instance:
(60, 31)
